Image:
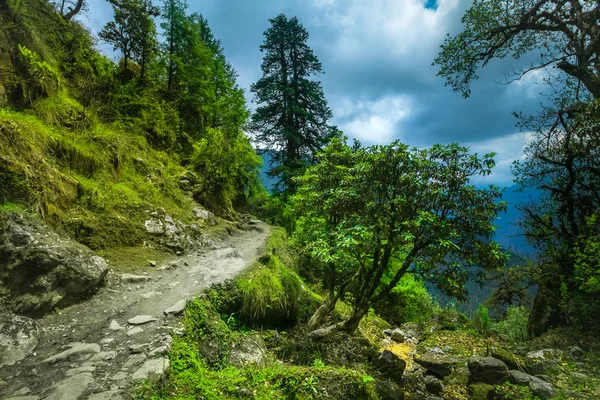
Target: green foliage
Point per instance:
(514, 324)
(409, 301)
(40, 78)
(481, 319)
(370, 215)
(587, 258)
(292, 116)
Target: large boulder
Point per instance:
(488, 370)
(439, 365)
(538, 386)
(390, 365)
(40, 269)
(387, 390)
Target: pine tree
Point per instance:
(292, 117)
(174, 27)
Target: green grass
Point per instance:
(97, 182)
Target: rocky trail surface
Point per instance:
(99, 348)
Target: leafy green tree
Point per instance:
(292, 117)
(132, 32)
(173, 25)
(563, 33)
(368, 216)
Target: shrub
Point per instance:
(481, 319)
(514, 323)
(409, 301)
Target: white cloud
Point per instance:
(372, 122)
(508, 149)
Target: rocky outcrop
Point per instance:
(488, 370)
(40, 269)
(174, 234)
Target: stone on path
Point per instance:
(104, 356)
(134, 360)
(134, 331)
(76, 348)
(108, 395)
(114, 326)
(72, 388)
(131, 278)
(138, 348)
(18, 338)
(150, 295)
(177, 308)
(24, 398)
(141, 319)
(107, 340)
(79, 370)
(151, 368)
(159, 351)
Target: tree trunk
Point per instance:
(74, 11)
(319, 317)
(351, 323)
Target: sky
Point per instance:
(378, 76)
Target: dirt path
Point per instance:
(98, 348)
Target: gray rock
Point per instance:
(152, 369)
(390, 366)
(388, 390)
(441, 366)
(249, 350)
(131, 278)
(119, 376)
(18, 338)
(150, 295)
(177, 308)
(134, 331)
(543, 367)
(433, 385)
(40, 269)
(437, 350)
(488, 370)
(541, 354)
(24, 398)
(519, 378)
(114, 326)
(397, 335)
(79, 370)
(538, 387)
(138, 348)
(24, 391)
(134, 360)
(72, 388)
(152, 264)
(141, 319)
(578, 375)
(108, 395)
(104, 356)
(159, 351)
(76, 349)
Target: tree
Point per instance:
(68, 9)
(174, 20)
(368, 216)
(133, 32)
(561, 161)
(563, 33)
(292, 117)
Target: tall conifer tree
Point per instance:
(292, 116)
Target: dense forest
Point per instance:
(152, 154)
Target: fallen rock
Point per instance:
(249, 350)
(387, 390)
(18, 338)
(481, 391)
(397, 335)
(152, 369)
(40, 269)
(159, 351)
(441, 366)
(540, 388)
(488, 370)
(134, 331)
(433, 385)
(76, 349)
(390, 366)
(72, 388)
(114, 326)
(177, 308)
(141, 320)
(80, 370)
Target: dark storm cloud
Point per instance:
(379, 80)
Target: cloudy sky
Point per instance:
(378, 79)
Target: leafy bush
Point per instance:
(514, 323)
(481, 319)
(409, 301)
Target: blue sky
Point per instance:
(379, 81)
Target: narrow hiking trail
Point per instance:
(99, 348)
